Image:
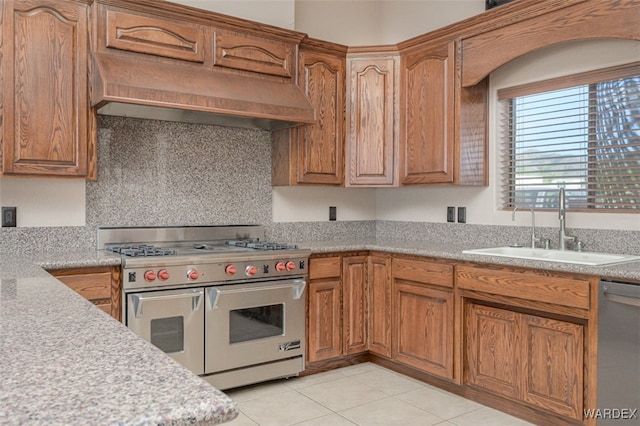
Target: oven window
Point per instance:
(256, 323)
(168, 334)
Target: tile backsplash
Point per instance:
(155, 173)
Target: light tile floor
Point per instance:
(364, 394)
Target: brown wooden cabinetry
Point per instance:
(324, 325)
(530, 346)
(423, 315)
(492, 361)
(99, 285)
(314, 154)
(372, 114)
(167, 38)
(355, 304)
(443, 127)
(526, 357)
(428, 115)
(380, 302)
(47, 128)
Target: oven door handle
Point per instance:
(138, 300)
(297, 286)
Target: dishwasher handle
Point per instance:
(618, 298)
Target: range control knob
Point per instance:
(192, 274)
(230, 269)
(251, 270)
(290, 266)
(149, 275)
(163, 274)
(280, 266)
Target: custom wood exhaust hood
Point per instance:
(188, 65)
(127, 87)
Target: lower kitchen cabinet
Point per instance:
(324, 325)
(553, 365)
(423, 315)
(100, 285)
(379, 315)
(354, 304)
(492, 360)
(525, 357)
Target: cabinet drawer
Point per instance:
(565, 291)
(90, 286)
(324, 267)
(246, 53)
(423, 271)
(159, 37)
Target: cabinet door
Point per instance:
(371, 118)
(324, 325)
(152, 36)
(320, 154)
(492, 342)
(100, 285)
(355, 304)
(423, 327)
(379, 277)
(553, 365)
(45, 116)
(427, 111)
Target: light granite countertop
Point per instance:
(453, 251)
(65, 362)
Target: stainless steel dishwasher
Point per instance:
(618, 354)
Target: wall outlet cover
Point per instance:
(9, 218)
(462, 215)
(332, 213)
(451, 214)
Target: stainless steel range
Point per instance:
(220, 300)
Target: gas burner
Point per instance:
(141, 251)
(261, 245)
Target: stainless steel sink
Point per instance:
(560, 256)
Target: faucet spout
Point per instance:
(534, 239)
(563, 238)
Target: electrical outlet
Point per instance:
(451, 214)
(332, 213)
(462, 215)
(9, 217)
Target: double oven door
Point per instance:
(216, 328)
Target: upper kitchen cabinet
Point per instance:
(314, 154)
(443, 128)
(372, 116)
(167, 38)
(47, 126)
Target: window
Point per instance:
(581, 132)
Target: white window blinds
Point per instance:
(581, 132)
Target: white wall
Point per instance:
(45, 202)
(280, 13)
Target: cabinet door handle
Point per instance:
(625, 300)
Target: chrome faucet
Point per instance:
(563, 238)
(534, 239)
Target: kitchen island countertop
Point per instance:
(65, 362)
